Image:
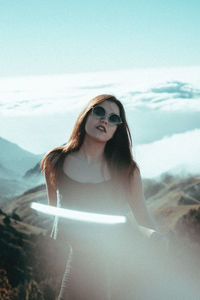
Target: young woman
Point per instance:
(95, 172)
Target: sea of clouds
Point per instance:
(162, 105)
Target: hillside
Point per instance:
(168, 201)
(173, 200)
(21, 206)
(31, 263)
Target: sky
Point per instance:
(66, 36)
(56, 55)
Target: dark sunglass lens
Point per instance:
(115, 119)
(99, 111)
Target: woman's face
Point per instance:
(99, 128)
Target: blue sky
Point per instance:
(55, 37)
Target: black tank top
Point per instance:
(103, 198)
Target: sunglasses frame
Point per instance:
(105, 114)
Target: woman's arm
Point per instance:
(51, 191)
(146, 224)
(137, 202)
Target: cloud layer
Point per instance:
(162, 107)
(161, 89)
(178, 153)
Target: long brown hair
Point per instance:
(118, 153)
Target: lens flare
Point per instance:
(78, 215)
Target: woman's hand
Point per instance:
(159, 240)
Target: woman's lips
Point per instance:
(101, 128)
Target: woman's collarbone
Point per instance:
(82, 171)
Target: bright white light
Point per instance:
(78, 215)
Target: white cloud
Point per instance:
(163, 92)
(160, 89)
(180, 152)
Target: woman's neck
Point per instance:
(92, 152)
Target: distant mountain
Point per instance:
(15, 170)
(7, 173)
(34, 175)
(10, 188)
(15, 161)
(35, 171)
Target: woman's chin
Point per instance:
(98, 138)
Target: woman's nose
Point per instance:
(104, 120)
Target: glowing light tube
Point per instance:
(78, 215)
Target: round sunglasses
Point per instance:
(100, 112)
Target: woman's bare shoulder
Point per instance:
(136, 177)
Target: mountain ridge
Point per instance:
(14, 157)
